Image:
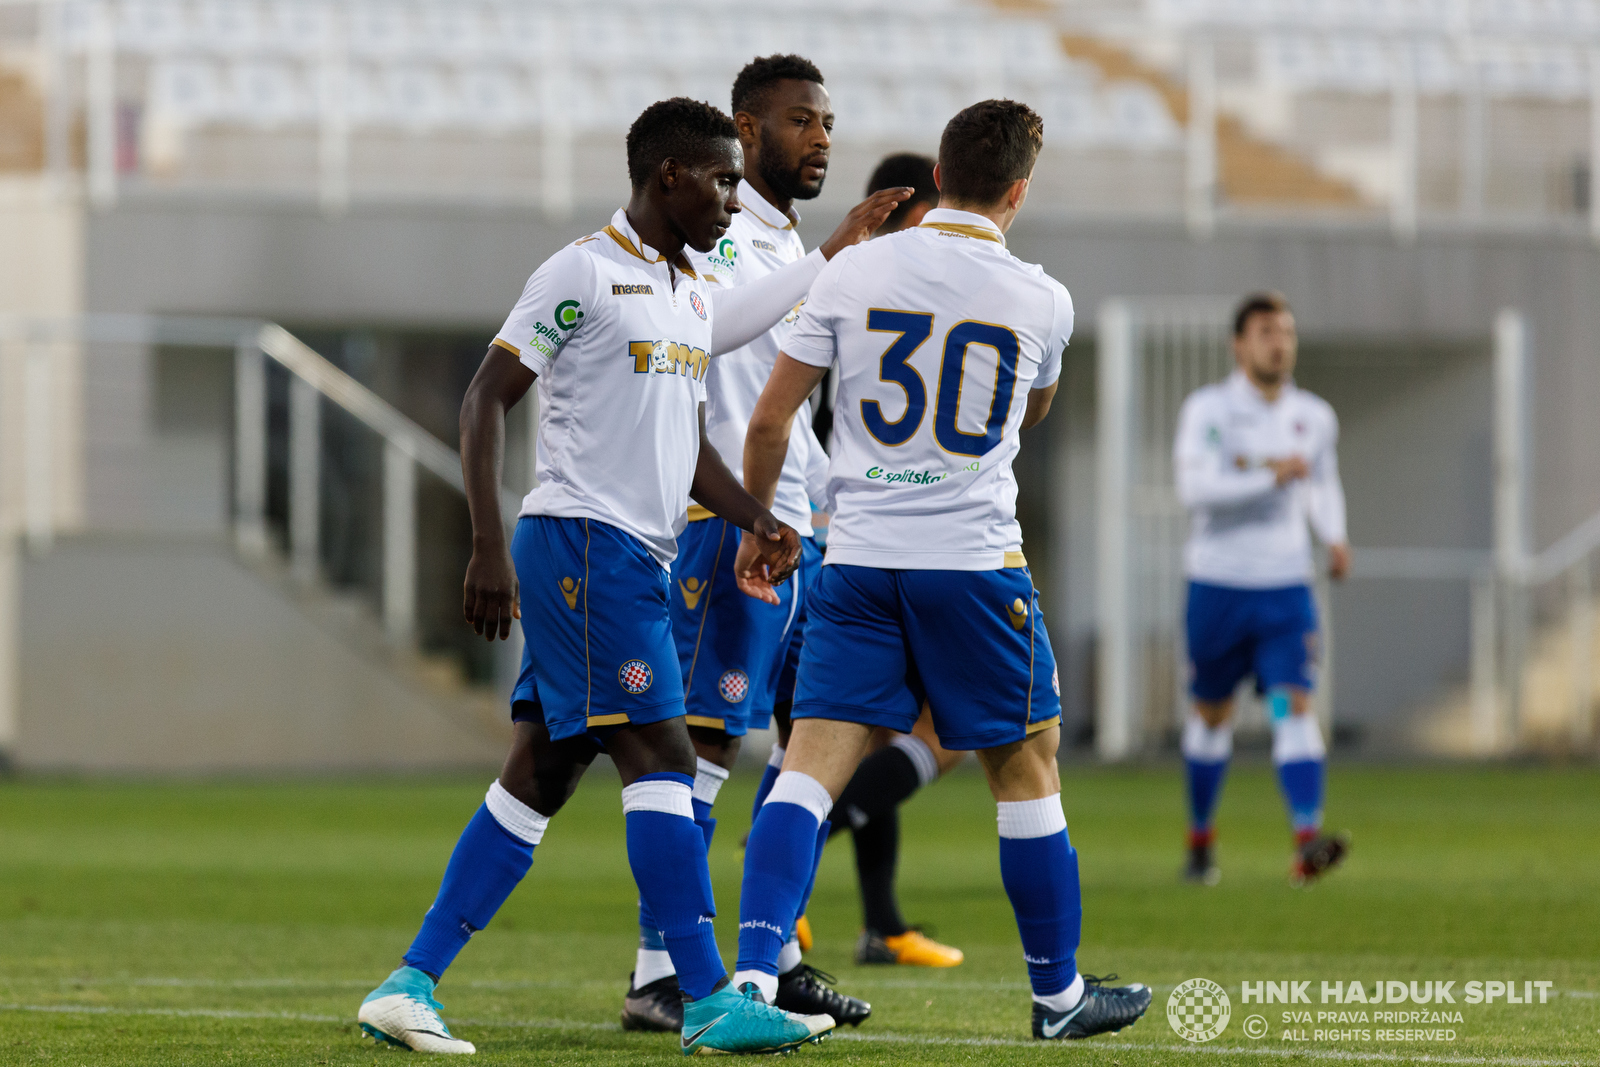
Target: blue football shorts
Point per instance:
(730, 646)
(1234, 633)
(972, 643)
(598, 652)
(810, 569)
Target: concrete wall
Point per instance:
(1396, 336)
(169, 656)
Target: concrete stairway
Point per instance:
(170, 655)
(1252, 172)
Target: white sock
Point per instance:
(776, 759)
(797, 787)
(651, 965)
(514, 816)
(920, 755)
(767, 983)
(789, 956)
(1065, 1000)
(708, 779)
(1204, 743)
(1296, 738)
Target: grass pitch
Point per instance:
(202, 923)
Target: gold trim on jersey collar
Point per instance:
(961, 229)
(787, 226)
(682, 262)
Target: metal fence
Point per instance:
(43, 486)
(1532, 615)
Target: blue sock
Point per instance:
(1302, 784)
(649, 932)
(779, 865)
(769, 776)
(485, 867)
(667, 852)
(1039, 868)
(1205, 785)
(823, 832)
(703, 819)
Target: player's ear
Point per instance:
(938, 178)
(1018, 193)
(670, 173)
(749, 129)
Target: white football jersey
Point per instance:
(622, 359)
(939, 333)
(761, 240)
(1245, 530)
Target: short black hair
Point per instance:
(910, 169)
(756, 80)
(678, 128)
(1263, 303)
(986, 147)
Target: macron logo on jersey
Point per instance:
(669, 357)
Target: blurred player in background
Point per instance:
(925, 592)
(897, 764)
(730, 645)
(1256, 463)
(618, 329)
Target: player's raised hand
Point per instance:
(490, 601)
(865, 218)
(766, 558)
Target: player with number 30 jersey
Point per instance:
(947, 347)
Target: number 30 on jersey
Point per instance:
(914, 328)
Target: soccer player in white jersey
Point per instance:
(1256, 464)
(947, 346)
(731, 646)
(897, 764)
(618, 330)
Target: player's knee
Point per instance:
(716, 746)
(654, 748)
(1214, 712)
(1024, 770)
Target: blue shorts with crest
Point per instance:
(972, 643)
(1233, 633)
(598, 651)
(731, 647)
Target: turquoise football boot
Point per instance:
(740, 1020)
(402, 1012)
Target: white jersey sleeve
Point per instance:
(1060, 335)
(550, 311)
(814, 340)
(1324, 492)
(748, 310)
(816, 470)
(1206, 475)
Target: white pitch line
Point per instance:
(1116, 1044)
(1112, 1045)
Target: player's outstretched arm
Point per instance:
(766, 443)
(775, 546)
(745, 312)
(489, 595)
(864, 219)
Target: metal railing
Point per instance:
(407, 446)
